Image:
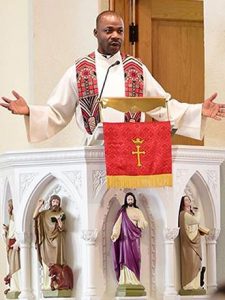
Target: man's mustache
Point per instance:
(55, 207)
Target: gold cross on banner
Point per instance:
(138, 143)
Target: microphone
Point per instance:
(106, 75)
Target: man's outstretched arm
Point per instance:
(44, 121)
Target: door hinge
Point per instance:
(133, 33)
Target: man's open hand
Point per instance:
(18, 106)
(213, 110)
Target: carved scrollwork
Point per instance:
(181, 175)
(98, 179)
(75, 178)
(212, 181)
(90, 235)
(25, 181)
(171, 233)
(213, 235)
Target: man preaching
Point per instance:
(79, 89)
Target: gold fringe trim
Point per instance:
(139, 181)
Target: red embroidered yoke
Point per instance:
(88, 88)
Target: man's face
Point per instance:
(110, 34)
(130, 200)
(55, 203)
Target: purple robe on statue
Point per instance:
(126, 249)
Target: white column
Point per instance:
(211, 259)
(25, 262)
(170, 235)
(90, 236)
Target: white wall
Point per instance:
(14, 74)
(214, 16)
(215, 81)
(58, 41)
(39, 40)
(14, 67)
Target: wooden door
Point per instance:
(171, 44)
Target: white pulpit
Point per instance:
(78, 176)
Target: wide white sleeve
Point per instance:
(186, 118)
(192, 220)
(142, 223)
(45, 121)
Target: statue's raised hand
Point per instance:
(18, 106)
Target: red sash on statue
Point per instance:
(88, 88)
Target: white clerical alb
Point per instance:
(45, 121)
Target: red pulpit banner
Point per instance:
(138, 154)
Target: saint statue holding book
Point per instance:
(50, 242)
(192, 272)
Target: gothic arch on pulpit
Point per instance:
(42, 186)
(199, 191)
(152, 246)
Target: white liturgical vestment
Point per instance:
(45, 121)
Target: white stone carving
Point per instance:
(171, 233)
(104, 237)
(25, 181)
(98, 179)
(90, 235)
(75, 178)
(212, 181)
(152, 250)
(181, 175)
(213, 235)
(20, 168)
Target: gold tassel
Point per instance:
(139, 181)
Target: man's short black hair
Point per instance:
(106, 13)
